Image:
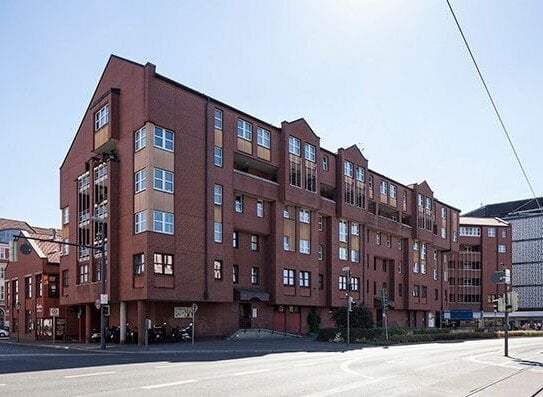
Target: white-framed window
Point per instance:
(217, 194)
(304, 246)
(435, 274)
(325, 163)
(342, 283)
(101, 118)
(355, 229)
(443, 232)
(163, 180)
(217, 269)
(294, 145)
(320, 253)
(384, 187)
(140, 137)
(66, 247)
(355, 256)
(254, 242)
(163, 222)
(304, 279)
(65, 215)
(428, 203)
(286, 243)
(309, 152)
(139, 263)
(304, 216)
(355, 283)
(348, 168)
(415, 267)
(238, 203)
(343, 231)
(288, 277)
(140, 222)
(217, 232)
(320, 222)
(343, 254)
(393, 191)
(491, 232)
(360, 174)
(245, 130)
(502, 248)
(260, 208)
(255, 275)
(423, 251)
(218, 119)
(470, 231)
(139, 180)
(263, 138)
(235, 239)
(217, 156)
(163, 264)
(435, 255)
(389, 240)
(443, 212)
(164, 139)
(504, 232)
(415, 245)
(378, 238)
(423, 268)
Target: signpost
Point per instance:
(347, 271)
(508, 303)
(54, 312)
(384, 299)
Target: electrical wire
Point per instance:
(494, 106)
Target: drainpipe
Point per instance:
(206, 210)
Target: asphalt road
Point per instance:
(276, 368)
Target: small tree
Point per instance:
(361, 317)
(313, 320)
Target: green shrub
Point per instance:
(360, 317)
(313, 320)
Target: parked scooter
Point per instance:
(157, 334)
(131, 335)
(113, 334)
(95, 336)
(182, 334)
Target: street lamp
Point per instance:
(102, 249)
(347, 271)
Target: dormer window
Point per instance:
(101, 118)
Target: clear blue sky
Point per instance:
(390, 76)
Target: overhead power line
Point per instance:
(494, 106)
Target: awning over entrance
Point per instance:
(251, 294)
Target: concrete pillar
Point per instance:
(122, 317)
(141, 323)
(88, 322)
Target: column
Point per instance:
(88, 322)
(141, 322)
(122, 317)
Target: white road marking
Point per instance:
(3, 384)
(345, 368)
(181, 382)
(306, 364)
(344, 388)
(91, 374)
(256, 371)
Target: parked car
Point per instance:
(4, 332)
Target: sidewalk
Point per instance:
(206, 346)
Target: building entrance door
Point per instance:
(245, 314)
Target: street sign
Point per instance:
(54, 311)
(104, 299)
(182, 312)
(97, 303)
(194, 307)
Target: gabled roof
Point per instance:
(45, 249)
(14, 224)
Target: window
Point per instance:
(286, 243)
(139, 181)
(163, 222)
(238, 203)
(355, 229)
(39, 286)
(304, 279)
(254, 242)
(217, 232)
(139, 139)
(65, 215)
(343, 231)
(217, 269)
(28, 287)
(416, 267)
(342, 283)
(389, 240)
(218, 119)
(304, 216)
(400, 289)
(163, 180)
(309, 152)
(436, 294)
(235, 274)
(355, 255)
(288, 277)
(501, 248)
(491, 232)
(164, 139)
(217, 156)
(245, 130)
(321, 281)
(65, 248)
(416, 290)
(83, 273)
(424, 292)
(355, 283)
(504, 233)
(393, 191)
(217, 195)
(343, 253)
(384, 188)
(443, 212)
(360, 174)
(325, 163)
(139, 263)
(101, 118)
(304, 247)
(320, 253)
(140, 224)
(163, 264)
(255, 275)
(235, 239)
(294, 145)
(320, 222)
(470, 231)
(435, 274)
(378, 238)
(260, 208)
(348, 168)
(263, 137)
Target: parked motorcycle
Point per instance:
(131, 335)
(182, 334)
(95, 336)
(157, 334)
(113, 334)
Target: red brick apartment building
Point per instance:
(199, 202)
(485, 248)
(33, 287)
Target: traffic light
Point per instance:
(106, 310)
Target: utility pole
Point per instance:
(347, 271)
(506, 282)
